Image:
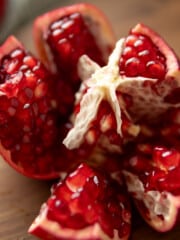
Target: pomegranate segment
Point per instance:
(68, 39)
(107, 209)
(89, 19)
(141, 57)
(152, 180)
(28, 121)
(63, 35)
(154, 73)
(31, 128)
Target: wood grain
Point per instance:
(20, 197)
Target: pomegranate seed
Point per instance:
(29, 61)
(129, 52)
(167, 159)
(155, 69)
(139, 45)
(130, 40)
(17, 53)
(144, 55)
(134, 67)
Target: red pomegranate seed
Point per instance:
(130, 40)
(155, 69)
(134, 67)
(167, 159)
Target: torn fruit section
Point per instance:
(107, 210)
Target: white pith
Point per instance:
(157, 203)
(103, 85)
(52, 228)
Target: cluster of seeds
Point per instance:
(142, 58)
(28, 122)
(92, 192)
(157, 167)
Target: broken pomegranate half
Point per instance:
(87, 204)
(152, 178)
(63, 35)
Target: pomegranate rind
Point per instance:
(6, 155)
(162, 208)
(98, 24)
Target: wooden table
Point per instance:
(20, 197)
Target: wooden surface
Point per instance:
(20, 197)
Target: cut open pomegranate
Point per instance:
(86, 205)
(120, 102)
(63, 35)
(152, 180)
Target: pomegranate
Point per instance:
(119, 105)
(63, 35)
(152, 179)
(107, 211)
